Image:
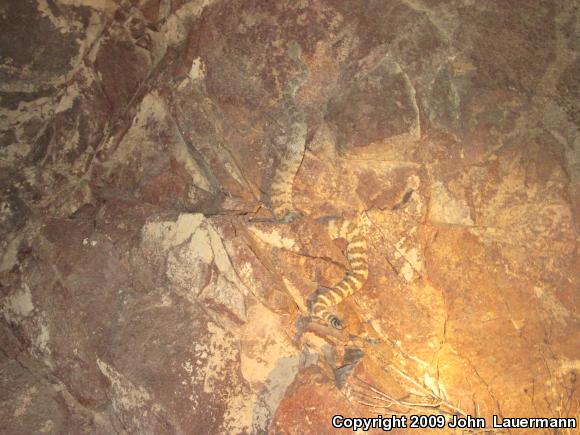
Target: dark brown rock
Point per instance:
(143, 286)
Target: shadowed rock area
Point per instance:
(145, 288)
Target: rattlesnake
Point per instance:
(352, 230)
(295, 119)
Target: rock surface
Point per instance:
(141, 290)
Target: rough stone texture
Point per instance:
(138, 140)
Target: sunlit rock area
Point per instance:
(145, 287)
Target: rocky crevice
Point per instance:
(142, 288)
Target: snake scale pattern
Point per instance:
(291, 159)
(352, 230)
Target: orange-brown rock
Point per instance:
(145, 288)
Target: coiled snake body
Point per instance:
(352, 230)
